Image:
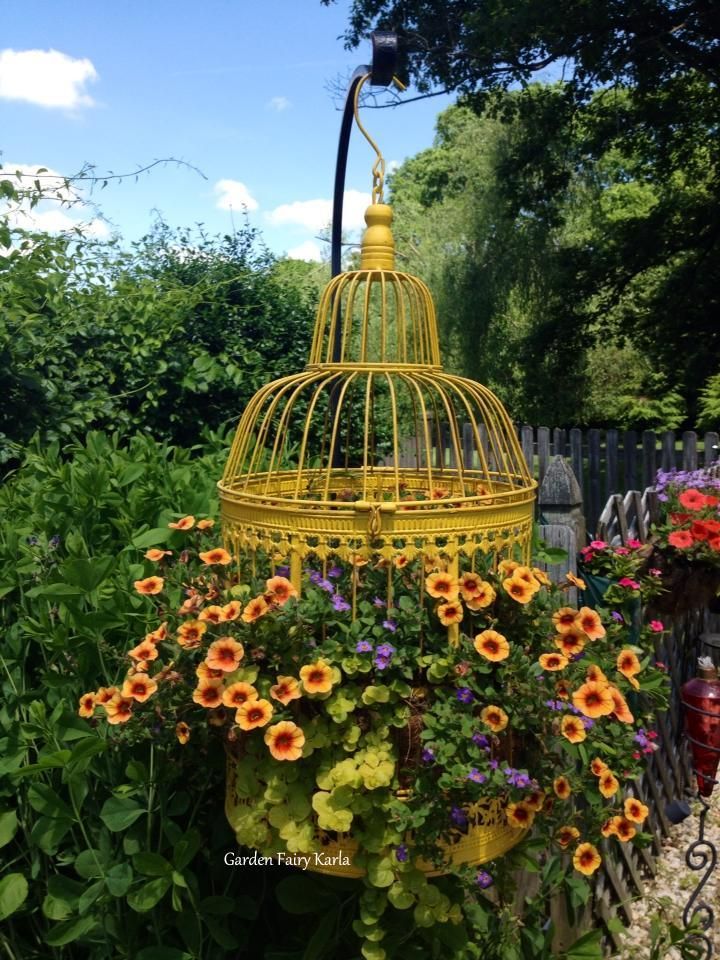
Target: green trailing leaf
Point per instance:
(118, 813)
(13, 894)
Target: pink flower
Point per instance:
(654, 572)
(630, 584)
(598, 544)
(634, 544)
(621, 551)
(656, 626)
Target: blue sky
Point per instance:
(237, 88)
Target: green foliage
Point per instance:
(709, 418)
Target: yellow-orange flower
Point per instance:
(593, 699)
(495, 718)
(139, 687)
(450, 612)
(285, 690)
(224, 654)
(149, 585)
(598, 766)
(253, 714)
(87, 705)
(190, 633)
(256, 608)
(553, 661)
(212, 614)
(118, 709)
(564, 619)
(285, 740)
(620, 710)
(608, 784)
(185, 523)
(216, 556)
(484, 596)
(203, 672)
(573, 729)
(232, 610)
(576, 581)
(519, 589)
(281, 589)
(562, 690)
(316, 677)
(104, 695)
(526, 574)
(567, 835)
(508, 567)
(562, 788)
(571, 642)
(157, 636)
(207, 524)
(635, 810)
(542, 578)
(628, 663)
(590, 623)
(442, 586)
(595, 673)
(208, 693)
(492, 645)
(217, 716)
(624, 829)
(586, 859)
(608, 828)
(535, 799)
(470, 585)
(400, 561)
(239, 693)
(144, 651)
(182, 732)
(156, 555)
(520, 814)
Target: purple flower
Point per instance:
(476, 776)
(382, 663)
(484, 880)
(480, 740)
(617, 617)
(340, 603)
(427, 755)
(588, 723)
(390, 625)
(363, 646)
(379, 602)
(315, 577)
(494, 764)
(401, 853)
(465, 695)
(458, 816)
(54, 542)
(326, 585)
(385, 650)
(522, 781)
(335, 572)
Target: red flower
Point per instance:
(692, 499)
(682, 539)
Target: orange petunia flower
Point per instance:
(182, 732)
(149, 586)
(186, 523)
(190, 633)
(553, 661)
(144, 651)
(281, 589)
(595, 673)
(253, 714)
(562, 788)
(118, 709)
(316, 677)
(608, 784)
(571, 642)
(495, 718)
(87, 705)
(628, 663)
(450, 612)
(635, 810)
(598, 766)
(216, 556)
(562, 690)
(400, 561)
(104, 695)
(255, 609)
(590, 623)
(564, 619)
(232, 610)
(567, 835)
(157, 636)
(520, 590)
(492, 645)
(608, 829)
(203, 672)
(508, 567)
(239, 693)
(623, 828)
(285, 690)
(224, 654)
(594, 699)
(206, 524)
(620, 710)
(520, 814)
(586, 859)
(542, 578)
(156, 555)
(208, 693)
(573, 729)
(527, 576)
(576, 581)
(484, 596)
(217, 717)
(139, 687)
(470, 585)
(682, 539)
(535, 800)
(285, 740)
(442, 586)
(212, 614)
(692, 499)
(191, 605)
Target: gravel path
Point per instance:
(667, 893)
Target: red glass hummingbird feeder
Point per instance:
(701, 699)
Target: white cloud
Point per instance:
(23, 177)
(234, 195)
(51, 213)
(279, 104)
(316, 214)
(47, 78)
(306, 251)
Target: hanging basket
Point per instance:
(688, 584)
